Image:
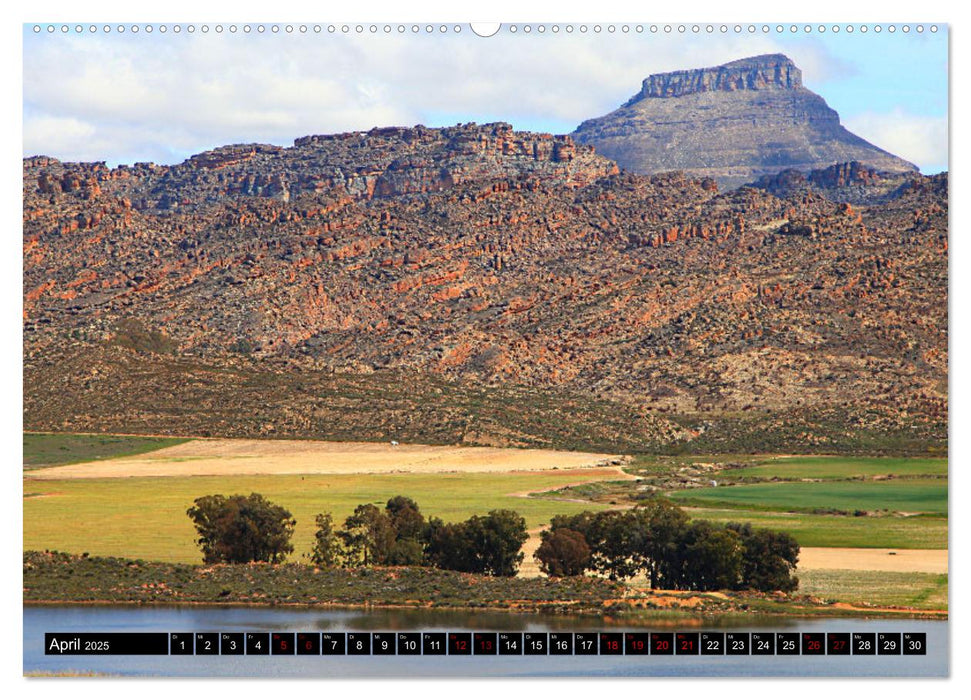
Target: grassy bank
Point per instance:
(878, 588)
(51, 577)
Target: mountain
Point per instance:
(484, 285)
(733, 123)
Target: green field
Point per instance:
(146, 517)
(878, 588)
(54, 449)
(811, 530)
(841, 467)
(898, 495)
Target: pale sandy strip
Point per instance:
(930, 561)
(252, 457)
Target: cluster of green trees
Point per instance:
(658, 539)
(239, 529)
(401, 536)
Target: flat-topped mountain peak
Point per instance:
(735, 123)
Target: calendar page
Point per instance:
(423, 349)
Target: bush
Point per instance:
(134, 335)
(239, 529)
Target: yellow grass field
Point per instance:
(227, 457)
(928, 561)
(146, 517)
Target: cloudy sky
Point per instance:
(162, 97)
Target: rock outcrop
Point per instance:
(398, 281)
(734, 123)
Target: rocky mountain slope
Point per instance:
(484, 285)
(733, 123)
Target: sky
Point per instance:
(125, 98)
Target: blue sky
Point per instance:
(162, 97)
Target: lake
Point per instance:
(62, 618)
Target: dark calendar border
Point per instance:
(629, 643)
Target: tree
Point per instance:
(488, 544)
(706, 557)
(239, 529)
(623, 543)
(368, 536)
(409, 527)
(498, 539)
(656, 528)
(769, 557)
(327, 549)
(400, 506)
(449, 546)
(610, 536)
(563, 552)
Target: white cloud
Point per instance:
(919, 139)
(155, 97)
(57, 134)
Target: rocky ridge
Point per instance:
(453, 280)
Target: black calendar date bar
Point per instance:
(484, 643)
(105, 643)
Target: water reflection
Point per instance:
(41, 619)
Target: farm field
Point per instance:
(213, 457)
(146, 517)
(132, 502)
(812, 530)
(928, 496)
(928, 561)
(54, 449)
(842, 467)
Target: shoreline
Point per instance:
(57, 578)
(656, 616)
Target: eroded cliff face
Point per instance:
(233, 291)
(734, 123)
(769, 72)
